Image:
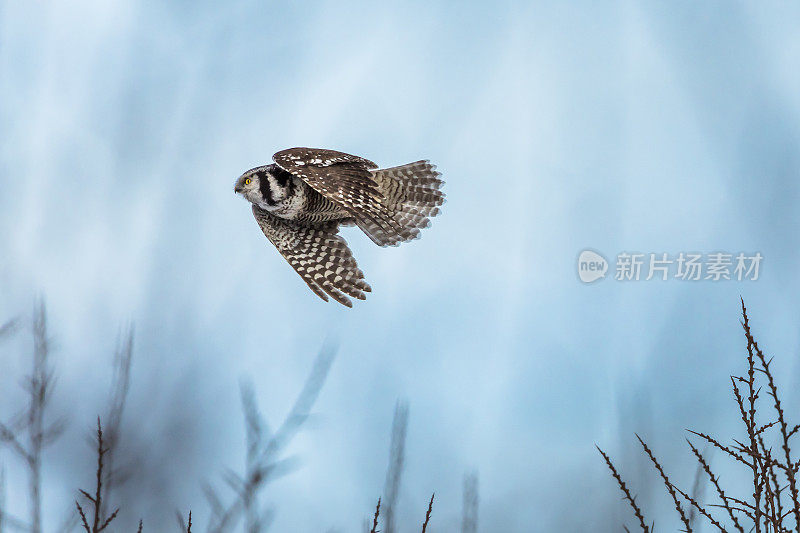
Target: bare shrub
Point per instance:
(772, 505)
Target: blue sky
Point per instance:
(615, 126)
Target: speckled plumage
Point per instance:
(300, 201)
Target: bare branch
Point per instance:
(667, 483)
(715, 482)
(375, 520)
(428, 514)
(625, 491)
(98, 522)
(752, 346)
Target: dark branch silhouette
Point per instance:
(773, 505)
(428, 515)
(98, 522)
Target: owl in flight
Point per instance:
(301, 200)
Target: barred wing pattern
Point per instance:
(318, 254)
(348, 180)
(412, 196)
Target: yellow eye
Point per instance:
(247, 181)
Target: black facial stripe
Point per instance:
(281, 176)
(263, 186)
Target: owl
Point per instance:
(302, 199)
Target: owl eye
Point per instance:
(247, 181)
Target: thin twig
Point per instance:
(749, 419)
(701, 509)
(667, 483)
(428, 514)
(624, 488)
(752, 346)
(375, 519)
(98, 523)
(715, 482)
(698, 489)
(719, 446)
(84, 522)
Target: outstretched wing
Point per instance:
(318, 254)
(344, 178)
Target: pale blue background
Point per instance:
(669, 126)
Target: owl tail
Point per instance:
(411, 197)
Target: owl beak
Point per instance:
(237, 189)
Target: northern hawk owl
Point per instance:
(301, 200)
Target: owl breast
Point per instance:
(303, 204)
(294, 202)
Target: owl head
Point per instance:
(264, 186)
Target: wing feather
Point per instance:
(318, 254)
(346, 179)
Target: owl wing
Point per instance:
(347, 180)
(318, 254)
